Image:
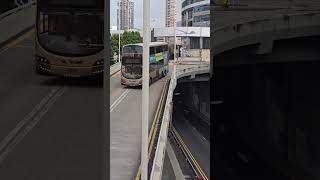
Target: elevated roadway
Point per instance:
(262, 24)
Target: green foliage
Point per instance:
(125, 38)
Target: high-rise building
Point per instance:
(170, 13)
(125, 14)
(195, 13)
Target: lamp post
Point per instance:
(201, 44)
(119, 48)
(174, 48)
(145, 90)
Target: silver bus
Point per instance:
(69, 37)
(131, 65)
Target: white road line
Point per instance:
(28, 122)
(174, 162)
(118, 101)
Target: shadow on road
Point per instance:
(88, 82)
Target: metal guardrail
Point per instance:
(157, 167)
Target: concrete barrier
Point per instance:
(265, 30)
(157, 166)
(16, 21)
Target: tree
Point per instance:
(126, 38)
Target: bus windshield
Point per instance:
(68, 34)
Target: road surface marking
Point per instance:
(17, 41)
(115, 73)
(28, 122)
(118, 101)
(175, 132)
(174, 162)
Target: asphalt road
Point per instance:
(61, 135)
(198, 144)
(125, 126)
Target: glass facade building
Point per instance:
(196, 13)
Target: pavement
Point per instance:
(63, 137)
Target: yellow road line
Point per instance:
(188, 152)
(153, 129)
(190, 155)
(157, 117)
(115, 73)
(17, 40)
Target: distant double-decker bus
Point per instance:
(131, 67)
(69, 37)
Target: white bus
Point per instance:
(131, 67)
(69, 37)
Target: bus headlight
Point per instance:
(42, 59)
(98, 63)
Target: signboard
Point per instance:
(159, 56)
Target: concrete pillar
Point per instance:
(187, 19)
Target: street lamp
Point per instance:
(119, 49)
(145, 90)
(201, 44)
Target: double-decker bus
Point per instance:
(131, 67)
(69, 37)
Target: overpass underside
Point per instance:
(269, 109)
(191, 121)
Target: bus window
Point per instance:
(132, 49)
(70, 35)
(160, 63)
(152, 50)
(165, 48)
(158, 49)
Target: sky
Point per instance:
(157, 13)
